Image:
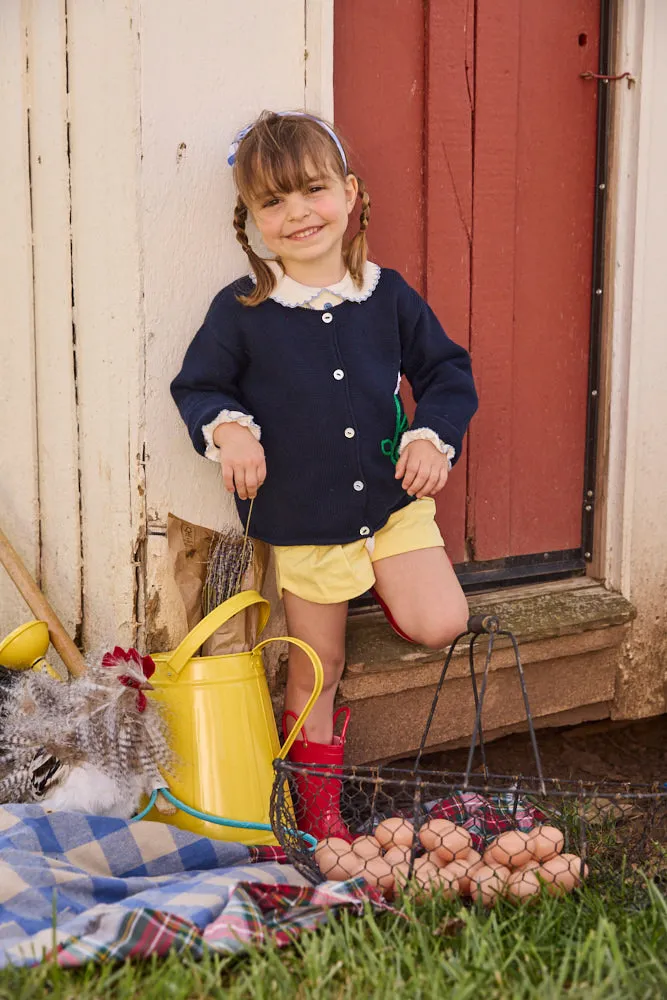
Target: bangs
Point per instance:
(283, 154)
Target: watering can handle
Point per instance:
(317, 686)
(204, 629)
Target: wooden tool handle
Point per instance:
(40, 607)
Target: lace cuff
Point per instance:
(227, 417)
(426, 434)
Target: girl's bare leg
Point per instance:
(323, 627)
(422, 592)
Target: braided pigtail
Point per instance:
(357, 252)
(265, 280)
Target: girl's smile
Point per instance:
(303, 234)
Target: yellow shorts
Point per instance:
(329, 574)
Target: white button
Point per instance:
(349, 432)
(326, 317)
(358, 485)
(365, 530)
(339, 374)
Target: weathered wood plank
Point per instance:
(105, 156)
(450, 97)
(19, 493)
(54, 347)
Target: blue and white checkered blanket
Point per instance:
(80, 888)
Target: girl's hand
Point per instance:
(241, 459)
(422, 468)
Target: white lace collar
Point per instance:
(292, 294)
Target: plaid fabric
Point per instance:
(485, 818)
(254, 912)
(95, 888)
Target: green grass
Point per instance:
(584, 946)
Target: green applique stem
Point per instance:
(390, 445)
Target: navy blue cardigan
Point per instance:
(321, 385)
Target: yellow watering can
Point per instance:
(223, 731)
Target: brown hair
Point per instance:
(272, 156)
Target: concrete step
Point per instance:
(570, 638)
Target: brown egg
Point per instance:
(427, 879)
(471, 858)
(460, 871)
(423, 873)
(337, 863)
(348, 867)
(400, 873)
(530, 867)
(366, 847)
(523, 886)
(463, 868)
(455, 844)
(398, 855)
(558, 875)
(446, 883)
(432, 832)
(509, 849)
(545, 842)
(478, 864)
(379, 874)
(426, 873)
(575, 867)
(395, 832)
(502, 871)
(424, 865)
(336, 844)
(486, 884)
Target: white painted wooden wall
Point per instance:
(115, 208)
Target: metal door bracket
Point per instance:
(589, 75)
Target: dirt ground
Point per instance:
(619, 751)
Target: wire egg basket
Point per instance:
(470, 833)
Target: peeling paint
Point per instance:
(157, 638)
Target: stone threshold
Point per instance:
(570, 636)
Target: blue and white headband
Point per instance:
(233, 149)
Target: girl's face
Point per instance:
(307, 227)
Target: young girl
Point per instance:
(292, 385)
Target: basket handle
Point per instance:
(204, 629)
(317, 686)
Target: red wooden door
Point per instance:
(476, 136)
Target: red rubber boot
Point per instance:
(317, 796)
(390, 618)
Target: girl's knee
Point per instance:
(333, 663)
(437, 631)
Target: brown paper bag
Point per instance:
(190, 548)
